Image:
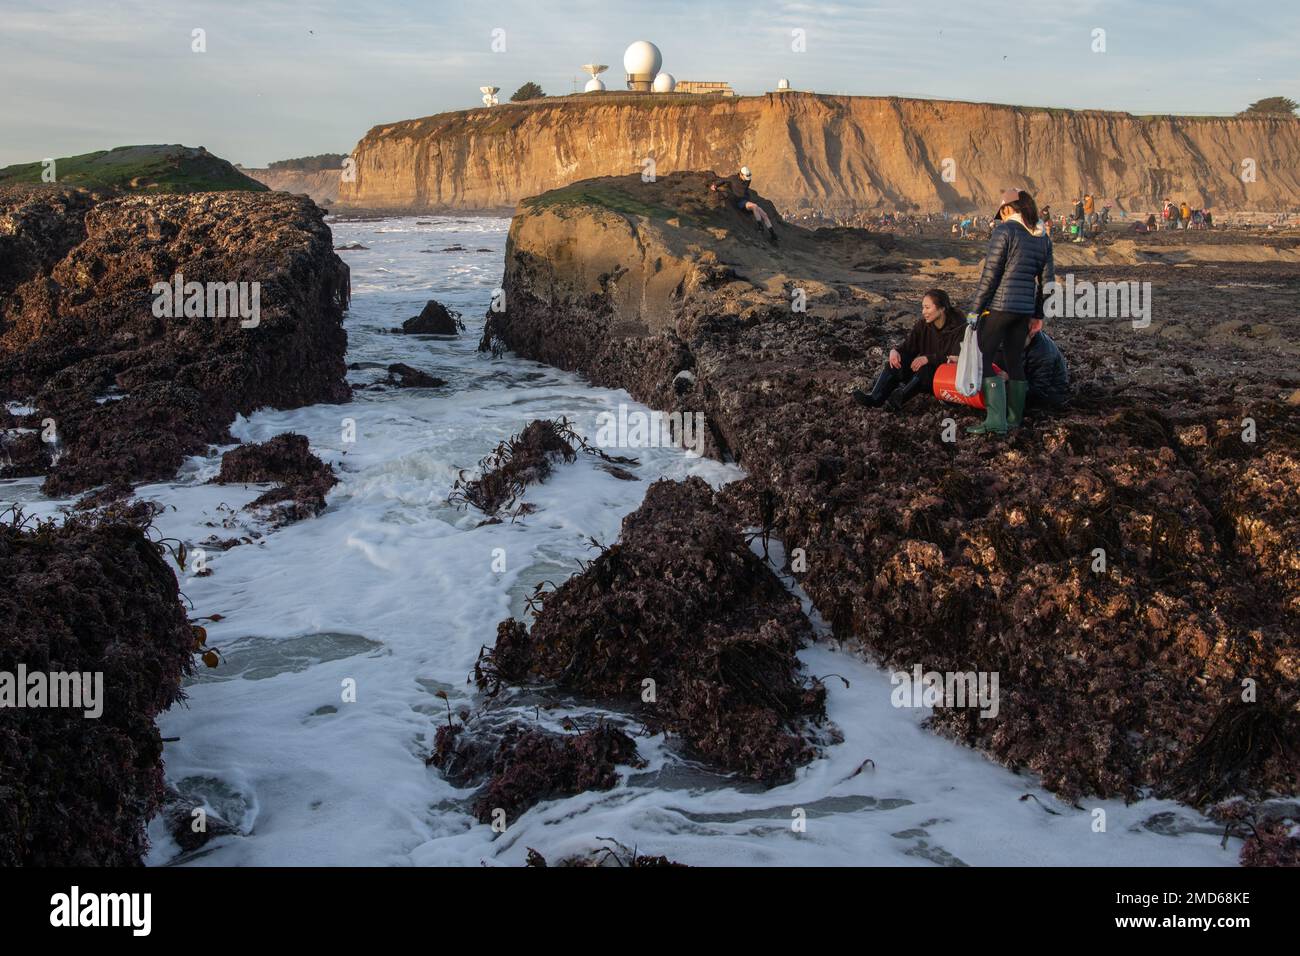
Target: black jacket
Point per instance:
(1045, 371)
(1018, 265)
(737, 187)
(935, 344)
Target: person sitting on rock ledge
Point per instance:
(738, 188)
(934, 340)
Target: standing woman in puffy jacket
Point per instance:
(1017, 268)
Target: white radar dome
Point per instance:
(642, 59)
(594, 85)
(665, 83)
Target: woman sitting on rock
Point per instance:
(1017, 268)
(738, 189)
(934, 340)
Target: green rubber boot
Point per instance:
(995, 403)
(1016, 393)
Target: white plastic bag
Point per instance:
(970, 364)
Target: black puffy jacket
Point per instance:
(1045, 371)
(1018, 265)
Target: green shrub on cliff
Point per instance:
(529, 91)
(1271, 106)
(308, 164)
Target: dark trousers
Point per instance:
(1008, 333)
(903, 383)
(1043, 401)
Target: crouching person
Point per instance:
(933, 340)
(1046, 374)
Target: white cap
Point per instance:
(745, 173)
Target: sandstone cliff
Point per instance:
(938, 549)
(322, 185)
(837, 155)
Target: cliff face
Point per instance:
(322, 185)
(834, 154)
(952, 553)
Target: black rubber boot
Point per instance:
(914, 386)
(885, 384)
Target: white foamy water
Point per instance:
(394, 589)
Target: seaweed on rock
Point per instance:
(683, 622)
(92, 595)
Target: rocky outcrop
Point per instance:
(91, 597)
(520, 766)
(1126, 568)
(302, 479)
(434, 319)
(126, 379)
(681, 620)
(837, 155)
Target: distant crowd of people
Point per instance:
(1085, 218)
(1175, 215)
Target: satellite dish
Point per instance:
(489, 94)
(595, 84)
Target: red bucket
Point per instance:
(945, 387)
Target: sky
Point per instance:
(287, 78)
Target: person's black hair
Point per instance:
(944, 302)
(1027, 208)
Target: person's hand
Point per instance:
(895, 360)
(954, 359)
(1004, 376)
(917, 362)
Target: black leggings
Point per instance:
(1005, 332)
